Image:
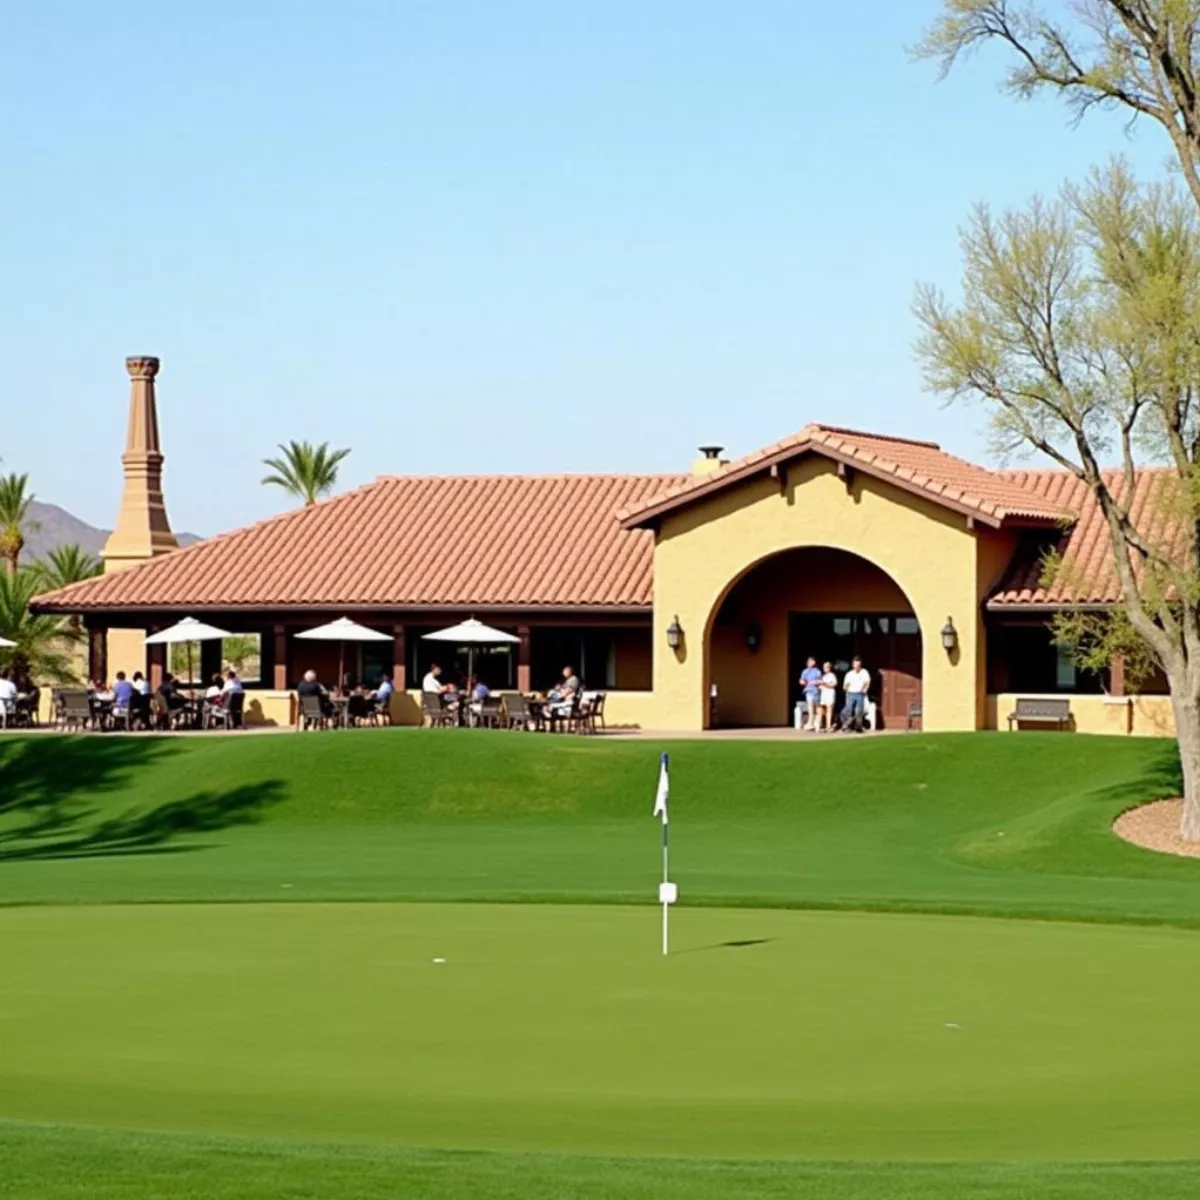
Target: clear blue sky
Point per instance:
(491, 236)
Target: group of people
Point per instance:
(820, 686)
(14, 688)
(559, 700)
(361, 701)
(132, 694)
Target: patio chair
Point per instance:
(517, 713)
(435, 712)
(563, 715)
(121, 717)
(33, 704)
(160, 712)
(359, 711)
(591, 713)
(76, 709)
(227, 715)
(312, 715)
(488, 716)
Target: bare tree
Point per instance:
(1079, 330)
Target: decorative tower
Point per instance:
(142, 530)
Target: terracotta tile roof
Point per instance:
(443, 542)
(919, 467)
(1087, 575)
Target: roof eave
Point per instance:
(646, 518)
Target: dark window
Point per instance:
(590, 651)
(495, 665)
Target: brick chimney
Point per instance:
(710, 461)
(142, 530)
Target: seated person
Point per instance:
(433, 684)
(310, 687)
(169, 690)
(215, 693)
(480, 690)
(8, 691)
(382, 695)
(562, 698)
(141, 684)
(123, 691)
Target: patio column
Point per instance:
(156, 662)
(1116, 676)
(399, 659)
(280, 681)
(98, 654)
(523, 659)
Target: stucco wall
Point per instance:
(1141, 716)
(929, 552)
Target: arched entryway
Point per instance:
(812, 600)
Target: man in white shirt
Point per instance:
(856, 684)
(8, 694)
(432, 681)
(232, 684)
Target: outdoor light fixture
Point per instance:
(674, 634)
(949, 636)
(753, 637)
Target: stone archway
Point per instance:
(819, 600)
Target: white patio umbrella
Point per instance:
(471, 633)
(187, 631)
(5, 644)
(343, 630)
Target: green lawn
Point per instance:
(287, 1050)
(956, 823)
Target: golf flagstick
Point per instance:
(668, 893)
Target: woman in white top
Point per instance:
(827, 697)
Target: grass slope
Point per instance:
(959, 823)
(52, 1163)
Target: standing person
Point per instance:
(855, 685)
(810, 681)
(827, 697)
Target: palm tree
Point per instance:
(305, 470)
(43, 643)
(67, 564)
(14, 518)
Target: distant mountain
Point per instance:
(57, 527)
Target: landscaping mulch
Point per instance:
(1156, 827)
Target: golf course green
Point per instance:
(398, 963)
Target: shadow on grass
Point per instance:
(49, 788)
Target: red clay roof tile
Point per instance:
(441, 542)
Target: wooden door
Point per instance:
(902, 678)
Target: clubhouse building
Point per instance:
(691, 599)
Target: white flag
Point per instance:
(664, 790)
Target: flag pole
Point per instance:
(666, 879)
(667, 891)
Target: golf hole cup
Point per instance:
(668, 893)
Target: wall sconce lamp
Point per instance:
(949, 636)
(674, 634)
(753, 637)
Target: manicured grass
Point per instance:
(767, 1033)
(960, 823)
(86, 1164)
(555, 1044)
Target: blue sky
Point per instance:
(490, 236)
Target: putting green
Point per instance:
(766, 1033)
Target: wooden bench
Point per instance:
(1041, 712)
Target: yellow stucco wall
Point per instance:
(933, 557)
(126, 652)
(1141, 716)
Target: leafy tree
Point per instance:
(1079, 332)
(1139, 56)
(43, 643)
(305, 470)
(14, 518)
